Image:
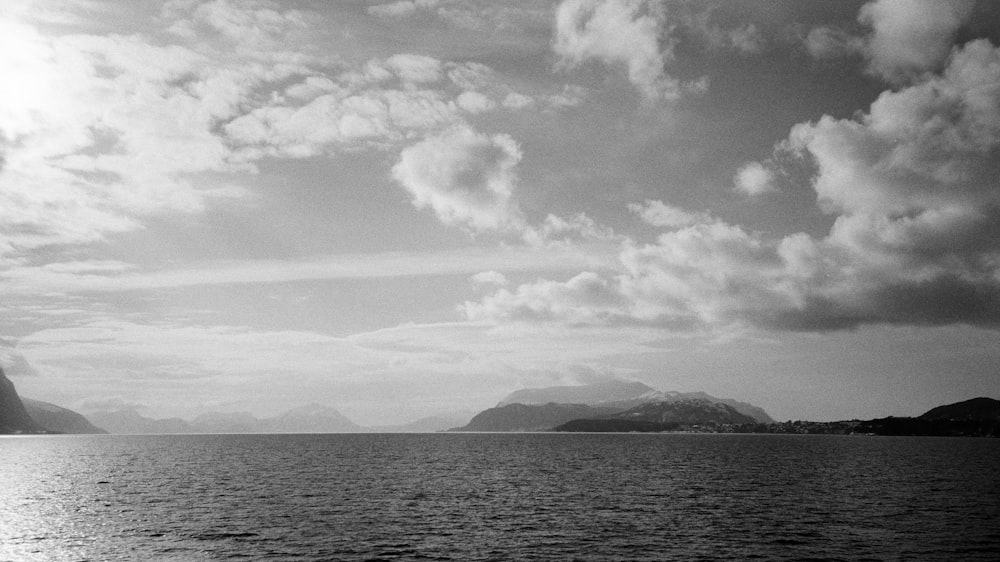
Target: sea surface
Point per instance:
(498, 497)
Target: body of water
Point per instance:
(498, 497)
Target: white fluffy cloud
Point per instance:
(911, 36)
(618, 32)
(907, 38)
(916, 239)
(466, 178)
(658, 213)
(754, 179)
(97, 133)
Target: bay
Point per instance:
(498, 497)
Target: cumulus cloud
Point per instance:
(658, 213)
(911, 36)
(415, 69)
(754, 179)
(474, 102)
(585, 299)
(101, 132)
(915, 240)
(617, 32)
(98, 134)
(907, 38)
(466, 178)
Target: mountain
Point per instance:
(622, 395)
(13, 416)
(130, 421)
(976, 409)
(755, 412)
(689, 411)
(227, 422)
(313, 418)
(430, 424)
(58, 419)
(531, 417)
(665, 415)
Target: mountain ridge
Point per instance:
(621, 394)
(974, 409)
(58, 419)
(530, 417)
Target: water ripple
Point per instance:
(498, 497)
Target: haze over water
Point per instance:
(498, 497)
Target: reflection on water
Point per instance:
(498, 497)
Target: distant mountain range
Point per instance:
(612, 406)
(312, 418)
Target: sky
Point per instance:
(411, 208)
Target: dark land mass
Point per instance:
(14, 417)
(979, 417)
(610, 425)
(977, 409)
(669, 415)
(621, 395)
(58, 419)
(533, 417)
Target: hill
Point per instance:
(977, 409)
(665, 415)
(531, 417)
(58, 419)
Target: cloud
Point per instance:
(419, 369)
(13, 362)
(466, 178)
(402, 8)
(474, 102)
(754, 179)
(415, 69)
(746, 38)
(587, 298)
(911, 36)
(907, 38)
(520, 18)
(491, 277)
(617, 32)
(658, 213)
(102, 131)
(830, 43)
(915, 237)
(109, 276)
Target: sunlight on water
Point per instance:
(493, 497)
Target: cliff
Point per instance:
(13, 416)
